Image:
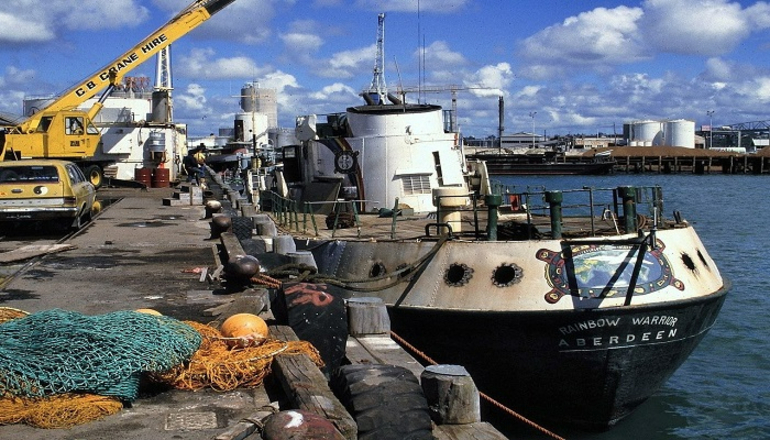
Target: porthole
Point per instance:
(377, 270)
(507, 274)
(703, 259)
(688, 262)
(458, 275)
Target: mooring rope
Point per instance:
(494, 402)
(309, 274)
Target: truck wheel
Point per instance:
(386, 401)
(95, 175)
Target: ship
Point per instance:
(549, 163)
(566, 319)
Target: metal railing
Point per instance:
(584, 212)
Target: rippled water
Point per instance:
(723, 390)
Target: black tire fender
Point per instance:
(386, 401)
(242, 227)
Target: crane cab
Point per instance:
(61, 134)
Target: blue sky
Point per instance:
(583, 66)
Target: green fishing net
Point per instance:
(58, 351)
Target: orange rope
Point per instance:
(224, 368)
(494, 402)
(57, 411)
(266, 281)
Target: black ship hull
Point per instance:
(588, 370)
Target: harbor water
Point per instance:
(723, 390)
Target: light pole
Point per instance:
(532, 115)
(710, 113)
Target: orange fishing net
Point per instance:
(223, 368)
(59, 411)
(8, 313)
(214, 365)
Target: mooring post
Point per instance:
(628, 194)
(554, 199)
(493, 201)
(453, 398)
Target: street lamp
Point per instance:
(710, 113)
(532, 115)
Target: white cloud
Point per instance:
(301, 42)
(337, 92)
(192, 100)
(200, 63)
(439, 56)
(37, 21)
(491, 80)
(16, 29)
(694, 27)
(244, 21)
(599, 36)
(347, 64)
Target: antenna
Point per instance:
(378, 87)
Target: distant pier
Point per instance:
(676, 160)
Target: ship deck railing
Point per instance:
(529, 213)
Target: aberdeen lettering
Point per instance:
(618, 340)
(610, 334)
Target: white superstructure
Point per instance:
(392, 151)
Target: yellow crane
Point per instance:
(61, 131)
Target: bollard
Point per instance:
(493, 201)
(453, 398)
(628, 195)
(284, 244)
(367, 316)
(303, 257)
(554, 199)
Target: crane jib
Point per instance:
(123, 63)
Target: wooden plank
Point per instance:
(253, 301)
(34, 250)
(232, 246)
(248, 425)
(471, 431)
(384, 350)
(306, 387)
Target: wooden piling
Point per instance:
(452, 395)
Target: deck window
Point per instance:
(416, 184)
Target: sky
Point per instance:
(562, 66)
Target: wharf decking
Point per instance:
(676, 160)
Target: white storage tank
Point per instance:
(282, 137)
(680, 133)
(249, 124)
(645, 132)
(255, 99)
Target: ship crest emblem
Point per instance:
(605, 271)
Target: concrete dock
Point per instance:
(144, 253)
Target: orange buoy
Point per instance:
(245, 329)
(149, 312)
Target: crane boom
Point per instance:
(110, 75)
(62, 131)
